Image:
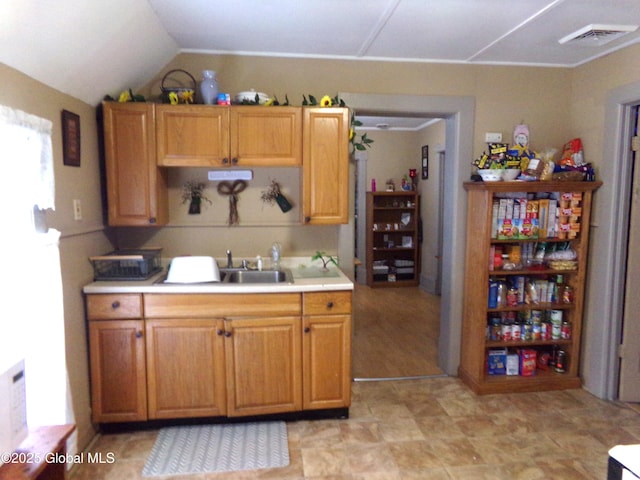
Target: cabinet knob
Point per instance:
(220, 332)
(307, 329)
(139, 334)
(227, 334)
(234, 161)
(307, 219)
(225, 160)
(115, 304)
(329, 305)
(152, 220)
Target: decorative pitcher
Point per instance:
(209, 87)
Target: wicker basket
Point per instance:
(184, 94)
(127, 264)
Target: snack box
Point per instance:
(518, 229)
(497, 361)
(528, 362)
(513, 364)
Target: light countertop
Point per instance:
(307, 277)
(628, 457)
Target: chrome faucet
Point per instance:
(229, 259)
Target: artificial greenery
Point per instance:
(359, 142)
(326, 259)
(126, 96)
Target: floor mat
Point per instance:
(218, 448)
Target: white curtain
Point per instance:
(32, 322)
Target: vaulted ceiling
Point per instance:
(88, 47)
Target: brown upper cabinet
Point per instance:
(140, 138)
(136, 187)
(325, 169)
(221, 136)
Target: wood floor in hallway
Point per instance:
(395, 332)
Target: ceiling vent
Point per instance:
(597, 35)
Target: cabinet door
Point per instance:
(326, 361)
(192, 136)
(266, 137)
(185, 365)
(263, 365)
(136, 188)
(325, 165)
(118, 379)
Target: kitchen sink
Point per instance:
(240, 276)
(256, 276)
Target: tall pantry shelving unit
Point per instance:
(393, 243)
(482, 240)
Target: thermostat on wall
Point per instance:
(230, 175)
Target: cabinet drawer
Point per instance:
(193, 305)
(319, 303)
(112, 306)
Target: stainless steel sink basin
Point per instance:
(240, 276)
(257, 276)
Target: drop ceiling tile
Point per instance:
(451, 30)
(540, 36)
(321, 27)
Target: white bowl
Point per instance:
(490, 174)
(510, 174)
(193, 270)
(250, 96)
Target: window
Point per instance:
(32, 322)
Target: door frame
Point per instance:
(604, 300)
(629, 353)
(459, 114)
(441, 162)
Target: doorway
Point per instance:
(458, 113)
(400, 144)
(396, 330)
(605, 299)
(629, 369)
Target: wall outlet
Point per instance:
(77, 210)
(492, 137)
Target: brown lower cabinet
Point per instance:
(185, 368)
(209, 355)
(264, 372)
(118, 374)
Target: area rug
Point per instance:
(218, 448)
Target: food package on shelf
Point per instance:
(528, 362)
(572, 154)
(497, 361)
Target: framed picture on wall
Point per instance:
(425, 162)
(70, 138)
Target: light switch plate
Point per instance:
(492, 137)
(77, 210)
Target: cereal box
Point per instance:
(513, 367)
(497, 361)
(528, 362)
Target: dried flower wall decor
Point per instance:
(273, 195)
(192, 192)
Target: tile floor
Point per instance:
(427, 429)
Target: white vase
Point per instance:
(209, 87)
